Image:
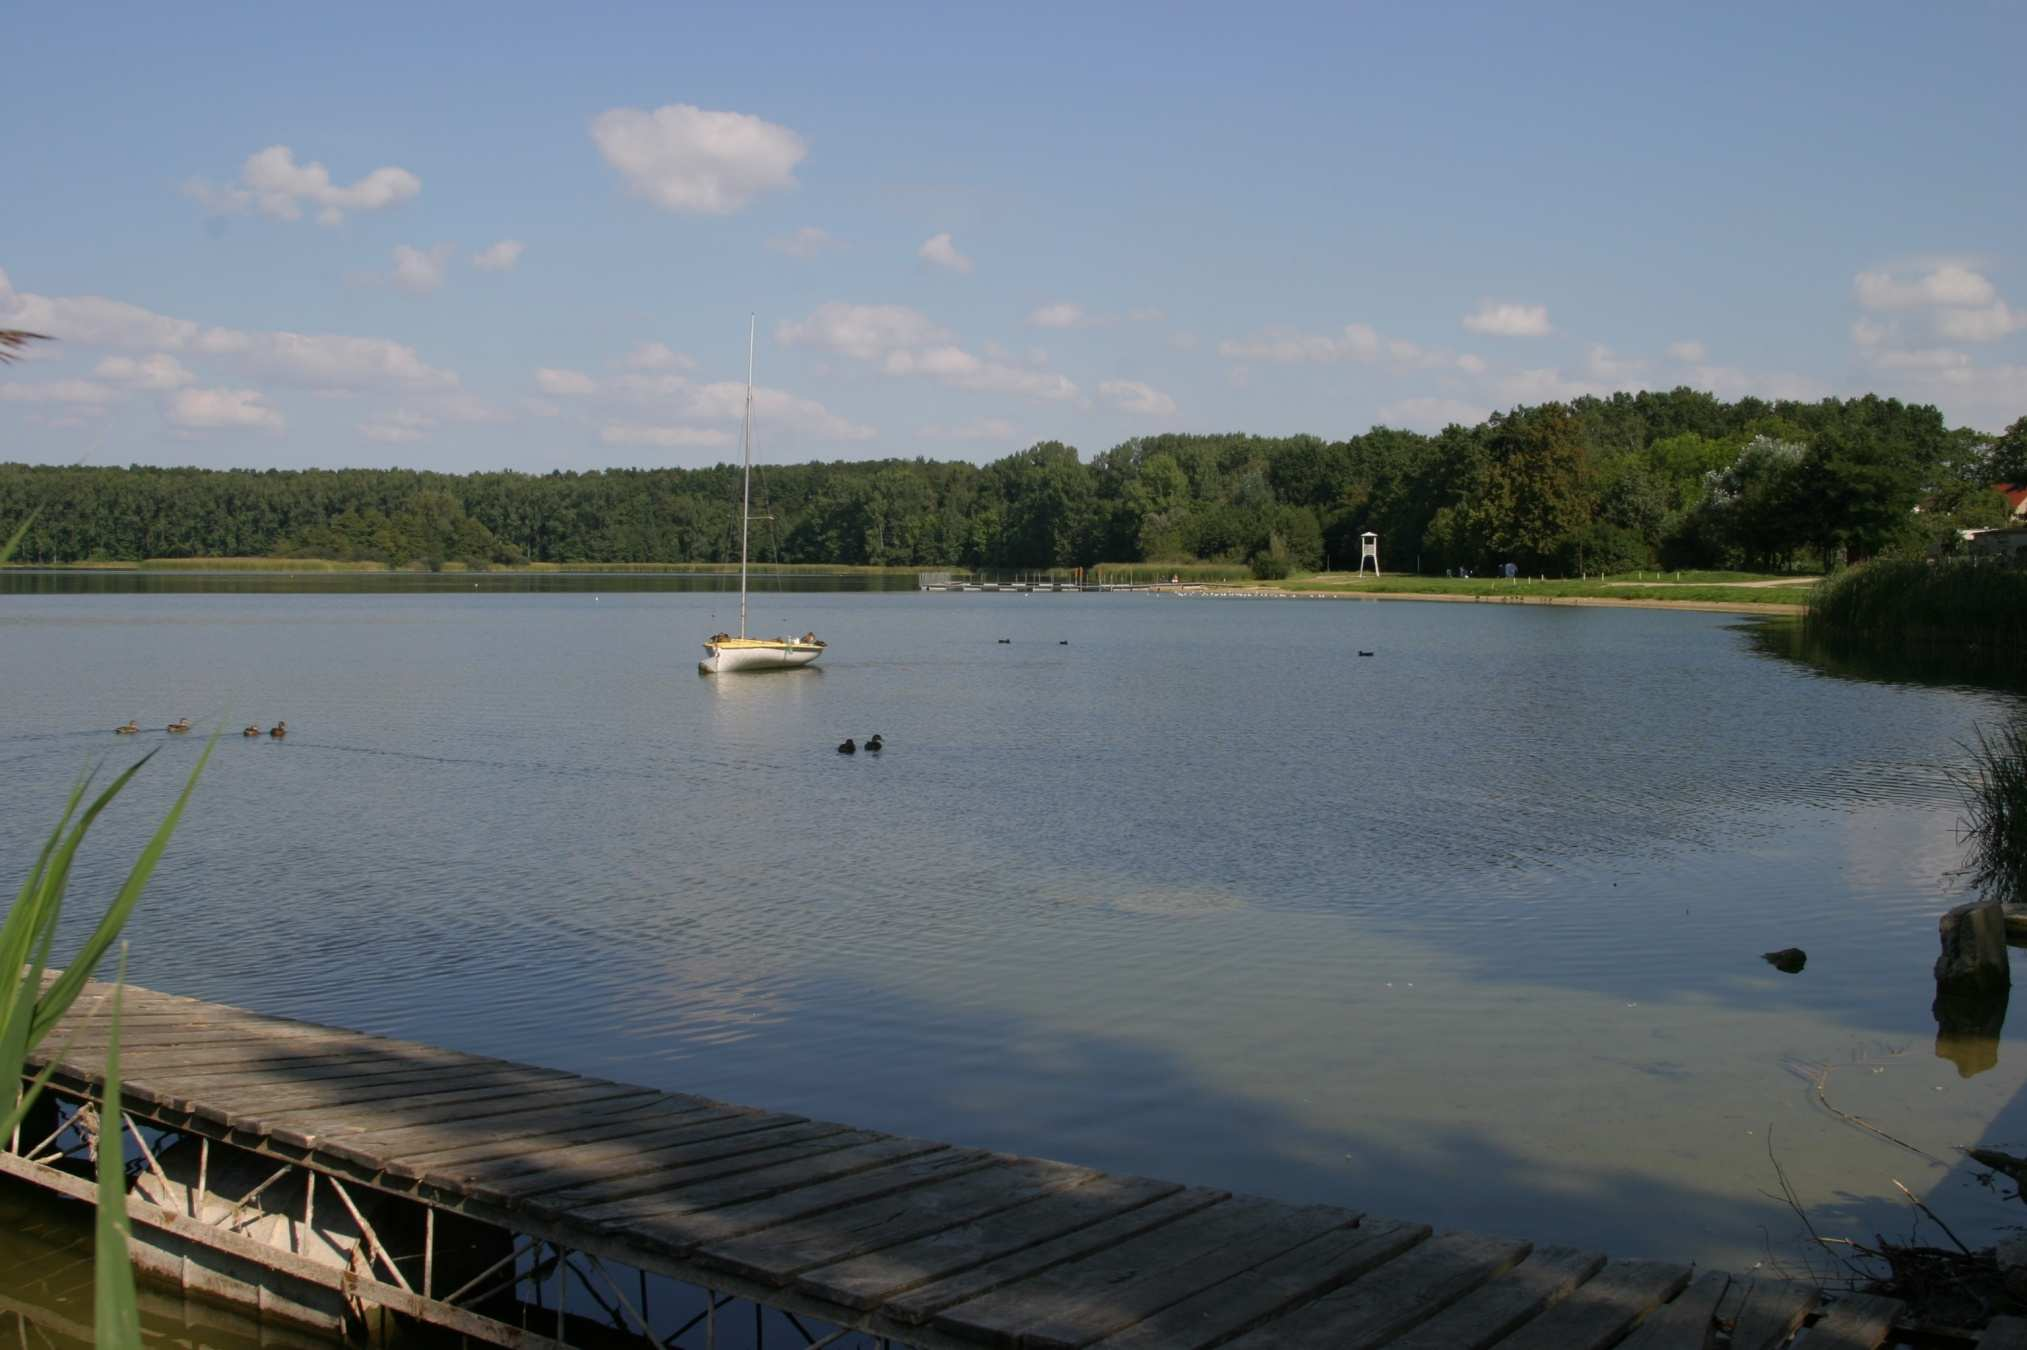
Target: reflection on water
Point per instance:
(1968, 1026)
(1467, 932)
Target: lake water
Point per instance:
(1467, 931)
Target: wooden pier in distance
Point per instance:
(330, 1178)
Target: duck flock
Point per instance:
(181, 726)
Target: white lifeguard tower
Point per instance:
(1368, 547)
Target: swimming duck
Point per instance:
(848, 748)
(180, 725)
(251, 731)
(1062, 642)
(280, 730)
(1005, 641)
(130, 729)
(876, 744)
(1365, 653)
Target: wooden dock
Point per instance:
(331, 1177)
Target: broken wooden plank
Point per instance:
(1601, 1309)
(1401, 1294)
(1215, 1315)
(1768, 1312)
(1687, 1322)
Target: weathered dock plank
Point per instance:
(907, 1238)
(1602, 1308)
(1401, 1294)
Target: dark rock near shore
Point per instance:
(1788, 960)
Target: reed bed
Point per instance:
(1994, 827)
(1972, 611)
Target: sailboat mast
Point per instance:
(746, 493)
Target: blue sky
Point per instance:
(518, 236)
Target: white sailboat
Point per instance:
(725, 654)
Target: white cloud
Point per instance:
(865, 332)
(1183, 340)
(1729, 382)
(1471, 363)
(397, 429)
(234, 409)
(1866, 333)
(314, 360)
(1545, 385)
(1935, 358)
(565, 383)
(666, 437)
(658, 356)
(806, 242)
(774, 408)
(500, 257)
(1285, 346)
(984, 429)
(961, 370)
(418, 272)
(939, 249)
(1432, 414)
(1602, 363)
(1948, 283)
(687, 160)
(1060, 314)
(1495, 319)
(1989, 324)
(1134, 397)
(1690, 351)
(274, 184)
(158, 372)
(88, 392)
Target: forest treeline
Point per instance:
(1679, 479)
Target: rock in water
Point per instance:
(1788, 960)
(1974, 958)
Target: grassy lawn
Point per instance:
(1492, 589)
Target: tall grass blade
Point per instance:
(65, 988)
(116, 1310)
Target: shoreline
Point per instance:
(1772, 608)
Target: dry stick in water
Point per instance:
(1794, 1203)
(1932, 1214)
(1821, 1082)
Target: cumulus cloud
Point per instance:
(864, 332)
(1602, 363)
(984, 429)
(272, 183)
(806, 242)
(961, 370)
(1432, 414)
(500, 257)
(774, 408)
(397, 428)
(1948, 283)
(419, 272)
(939, 249)
(314, 360)
(905, 341)
(1060, 314)
(1471, 363)
(658, 356)
(1690, 351)
(1134, 397)
(1357, 342)
(1506, 319)
(696, 162)
(158, 372)
(226, 409)
(1988, 324)
(565, 383)
(665, 437)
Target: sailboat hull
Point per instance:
(737, 655)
